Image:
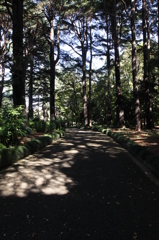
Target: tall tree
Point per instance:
(17, 70)
(78, 25)
(3, 35)
(134, 68)
(90, 79)
(116, 40)
(146, 73)
(52, 10)
(108, 68)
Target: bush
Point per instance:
(13, 127)
(57, 124)
(38, 125)
(2, 147)
(51, 126)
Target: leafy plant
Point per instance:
(51, 127)
(38, 125)
(12, 125)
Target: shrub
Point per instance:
(12, 125)
(2, 147)
(56, 124)
(38, 125)
(51, 126)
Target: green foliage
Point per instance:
(9, 155)
(12, 125)
(41, 126)
(2, 147)
(60, 124)
(38, 125)
(51, 126)
(57, 124)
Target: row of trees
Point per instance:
(41, 41)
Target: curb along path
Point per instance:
(84, 186)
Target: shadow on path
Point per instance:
(84, 186)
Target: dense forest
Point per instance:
(82, 62)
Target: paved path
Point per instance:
(84, 186)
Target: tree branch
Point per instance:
(8, 9)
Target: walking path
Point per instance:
(84, 186)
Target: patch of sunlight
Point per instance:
(81, 131)
(71, 151)
(36, 176)
(57, 159)
(94, 145)
(67, 144)
(66, 165)
(81, 146)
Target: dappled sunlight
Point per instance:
(82, 146)
(43, 171)
(88, 183)
(23, 180)
(71, 151)
(94, 145)
(38, 174)
(67, 144)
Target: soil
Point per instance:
(147, 138)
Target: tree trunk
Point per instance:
(148, 57)
(18, 76)
(84, 52)
(31, 87)
(53, 63)
(120, 111)
(77, 111)
(134, 69)
(146, 75)
(2, 58)
(108, 69)
(52, 73)
(158, 35)
(52, 86)
(90, 82)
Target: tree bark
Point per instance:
(84, 52)
(146, 75)
(158, 31)
(90, 82)
(17, 71)
(120, 111)
(2, 61)
(134, 68)
(108, 69)
(53, 63)
(31, 87)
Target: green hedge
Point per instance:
(10, 155)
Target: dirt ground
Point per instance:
(148, 138)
